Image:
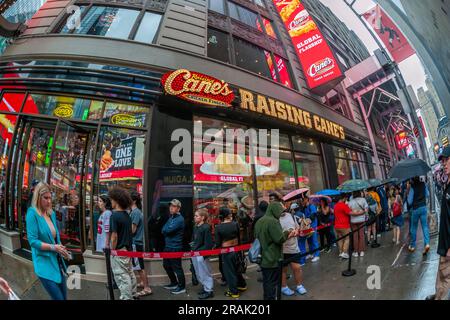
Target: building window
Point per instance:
(260, 3)
(148, 27)
(251, 57)
(115, 22)
(217, 6)
(243, 15)
(309, 171)
(268, 27)
(218, 45)
(109, 22)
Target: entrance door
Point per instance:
(52, 151)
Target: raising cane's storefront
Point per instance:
(83, 141)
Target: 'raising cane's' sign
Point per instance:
(318, 62)
(197, 87)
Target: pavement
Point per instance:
(402, 276)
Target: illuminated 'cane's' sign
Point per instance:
(198, 88)
(64, 111)
(318, 62)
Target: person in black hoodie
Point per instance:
(202, 240)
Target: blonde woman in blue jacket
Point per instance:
(47, 251)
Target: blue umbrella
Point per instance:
(329, 192)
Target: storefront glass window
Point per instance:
(251, 57)
(111, 22)
(11, 102)
(223, 178)
(126, 114)
(218, 45)
(7, 125)
(63, 107)
(217, 6)
(120, 160)
(343, 170)
(271, 178)
(309, 170)
(305, 145)
(148, 27)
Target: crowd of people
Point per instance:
(286, 231)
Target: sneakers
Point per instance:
(427, 248)
(171, 286)
(345, 256)
(287, 291)
(315, 259)
(309, 256)
(301, 290)
(178, 290)
(361, 254)
(242, 289)
(206, 295)
(328, 250)
(411, 249)
(355, 254)
(394, 241)
(302, 264)
(231, 295)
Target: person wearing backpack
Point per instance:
(371, 198)
(417, 199)
(270, 234)
(291, 249)
(397, 217)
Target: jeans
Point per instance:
(232, 277)
(419, 214)
(313, 243)
(174, 269)
(271, 279)
(57, 291)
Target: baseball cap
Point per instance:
(176, 203)
(445, 153)
(294, 206)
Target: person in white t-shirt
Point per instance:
(290, 249)
(358, 203)
(103, 234)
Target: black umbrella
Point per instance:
(409, 168)
(390, 181)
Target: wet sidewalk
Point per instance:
(403, 275)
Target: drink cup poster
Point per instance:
(317, 60)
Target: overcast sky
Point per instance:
(411, 68)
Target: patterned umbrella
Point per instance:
(295, 194)
(375, 182)
(353, 185)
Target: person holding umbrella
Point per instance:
(417, 199)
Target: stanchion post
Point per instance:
(109, 273)
(375, 244)
(280, 272)
(349, 272)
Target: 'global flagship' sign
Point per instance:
(198, 88)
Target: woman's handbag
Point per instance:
(305, 226)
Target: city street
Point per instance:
(404, 276)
